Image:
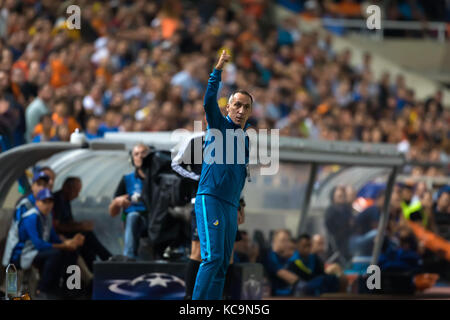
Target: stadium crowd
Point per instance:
(143, 66)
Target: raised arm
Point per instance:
(213, 114)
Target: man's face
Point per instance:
(281, 242)
(304, 247)
(444, 201)
(4, 81)
(45, 206)
(61, 109)
(46, 93)
(138, 154)
(407, 194)
(47, 124)
(38, 186)
(73, 190)
(339, 196)
(318, 244)
(240, 109)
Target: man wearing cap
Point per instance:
(39, 182)
(39, 245)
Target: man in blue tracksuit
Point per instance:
(221, 183)
(40, 181)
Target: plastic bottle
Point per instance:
(11, 282)
(77, 137)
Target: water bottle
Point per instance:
(11, 282)
(77, 137)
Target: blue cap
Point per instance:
(40, 175)
(44, 194)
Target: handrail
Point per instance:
(440, 27)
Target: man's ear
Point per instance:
(227, 107)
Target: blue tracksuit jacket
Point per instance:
(224, 181)
(218, 195)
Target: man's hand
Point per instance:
(78, 239)
(70, 245)
(120, 202)
(241, 217)
(123, 201)
(224, 58)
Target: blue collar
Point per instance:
(236, 125)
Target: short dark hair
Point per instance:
(241, 92)
(303, 236)
(70, 181)
(47, 115)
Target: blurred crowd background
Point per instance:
(137, 66)
(143, 66)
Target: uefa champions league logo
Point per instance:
(158, 286)
(252, 289)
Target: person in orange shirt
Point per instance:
(61, 117)
(60, 73)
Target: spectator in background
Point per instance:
(419, 191)
(92, 103)
(65, 224)
(245, 250)
(47, 131)
(366, 227)
(92, 128)
(339, 221)
(62, 116)
(426, 201)
(441, 209)
(110, 124)
(401, 257)
(37, 108)
(309, 269)
(23, 90)
(301, 82)
(350, 194)
(12, 117)
(412, 210)
(282, 253)
(9, 120)
(62, 133)
(319, 246)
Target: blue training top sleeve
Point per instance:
(213, 114)
(31, 225)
